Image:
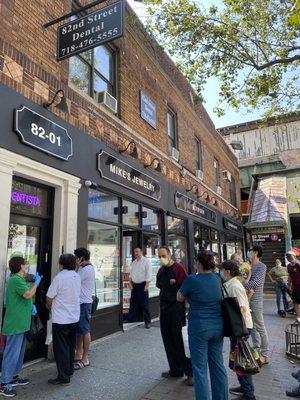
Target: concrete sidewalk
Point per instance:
(128, 367)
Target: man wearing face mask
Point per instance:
(169, 279)
(256, 283)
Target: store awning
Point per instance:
(269, 204)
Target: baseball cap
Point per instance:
(292, 253)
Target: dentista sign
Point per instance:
(90, 31)
(26, 199)
(118, 171)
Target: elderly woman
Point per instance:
(204, 294)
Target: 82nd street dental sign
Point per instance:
(91, 30)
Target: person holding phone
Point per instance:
(169, 279)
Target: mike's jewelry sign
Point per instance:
(90, 31)
(119, 172)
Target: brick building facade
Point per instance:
(206, 216)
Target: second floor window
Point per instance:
(94, 71)
(233, 199)
(172, 134)
(217, 172)
(198, 154)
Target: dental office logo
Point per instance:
(119, 172)
(25, 199)
(90, 31)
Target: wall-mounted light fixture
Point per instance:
(214, 201)
(133, 151)
(59, 101)
(156, 163)
(90, 184)
(205, 196)
(194, 188)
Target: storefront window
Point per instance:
(176, 225)
(230, 246)
(215, 242)
(201, 238)
(29, 199)
(151, 244)
(103, 243)
(130, 213)
(103, 206)
(150, 220)
(177, 239)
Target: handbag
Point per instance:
(246, 359)
(185, 338)
(95, 301)
(49, 332)
(234, 324)
(36, 330)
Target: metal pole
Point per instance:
(59, 19)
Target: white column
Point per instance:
(6, 172)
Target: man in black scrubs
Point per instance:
(169, 279)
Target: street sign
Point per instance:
(43, 134)
(148, 109)
(90, 31)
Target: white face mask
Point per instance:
(164, 261)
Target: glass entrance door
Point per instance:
(29, 237)
(129, 243)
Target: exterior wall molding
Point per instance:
(65, 205)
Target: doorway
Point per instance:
(30, 236)
(130, 240)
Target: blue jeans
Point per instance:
(83, 325)
(245, 381)
(280, 295)
(13, 357)
(206, 347)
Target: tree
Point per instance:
(251, 47)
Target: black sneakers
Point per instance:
(7, 391)
(236, 390)
(57, 381)
(294, 392)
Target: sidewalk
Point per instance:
(128, 367)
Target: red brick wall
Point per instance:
(28, 65)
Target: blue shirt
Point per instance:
(204, 294)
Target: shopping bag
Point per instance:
(246, 360)
(49, 332)
(185, 338)
(234, 324)
(94, 304)
(36, 329)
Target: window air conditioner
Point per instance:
(108, 101)
(199, 174)
(174, 153)
(227, 175)
(219, 190)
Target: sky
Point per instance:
(211, 91)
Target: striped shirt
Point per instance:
(257, 281)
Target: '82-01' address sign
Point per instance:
(43, 134)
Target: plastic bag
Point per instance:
(36, 329)
(185, 338)
(246, 359)
(49, 332)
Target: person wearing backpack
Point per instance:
(230, 272)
